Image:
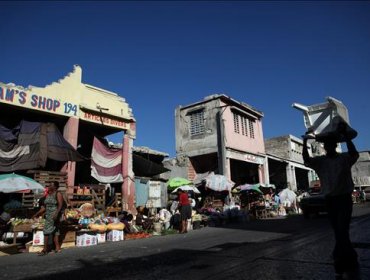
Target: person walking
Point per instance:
(334, 171)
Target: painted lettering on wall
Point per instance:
(105, 120)
(19, 97)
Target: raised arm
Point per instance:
(352, 151)
(39, 213)
(305, 154)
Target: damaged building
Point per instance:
(285, 162)
(222, 135)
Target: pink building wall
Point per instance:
(241, 142)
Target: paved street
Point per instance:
(291, 248)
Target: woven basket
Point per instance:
(87, 210)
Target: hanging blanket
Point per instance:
(30, 144)
(106, 163)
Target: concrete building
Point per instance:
(81, 112)
(222, 135)
(361, 171)
(285, 162)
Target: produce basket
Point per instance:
(87, 210)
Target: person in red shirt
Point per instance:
(185, 210)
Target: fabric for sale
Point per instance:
(106, 163)
(30, 144)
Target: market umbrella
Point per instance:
(17, 183)
(287, 194)
(218, 182)
(248, 187)
(178, 182)
(268, 186)
(187, 188)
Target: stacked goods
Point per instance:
(45, 177)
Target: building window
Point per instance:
(244, 124)
(197, 123)
(236, 123)
(251, 128)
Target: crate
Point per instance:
(22, 228)
(87, 193)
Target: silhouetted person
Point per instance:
(334, 171)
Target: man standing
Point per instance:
(334, 171)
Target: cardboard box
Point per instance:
(86, 239)
(68, 236)
(38, 238)
(35, 249)
(101, 237)
(115, 235)
(68, 245)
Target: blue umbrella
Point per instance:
(16, 183)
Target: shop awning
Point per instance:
(146, 168)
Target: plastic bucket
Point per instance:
(157, 227)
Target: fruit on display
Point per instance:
(98, 227)
(19, 221)
(116, 226)
(72, 214)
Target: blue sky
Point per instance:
(159, 55)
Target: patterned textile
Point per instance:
(51, 205)
(106, 163)
(30, 144)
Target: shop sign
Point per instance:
(254, 159)
(35, 101)
(104, 120)
(245, 157)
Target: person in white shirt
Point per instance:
(165, 217)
